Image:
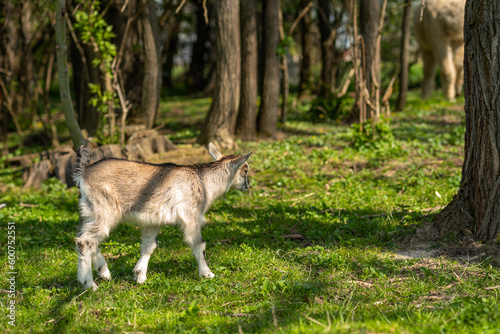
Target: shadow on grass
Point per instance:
(266, 227)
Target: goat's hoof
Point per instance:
(208, 274)
(105, 274)
(92, 286)
(140, 277)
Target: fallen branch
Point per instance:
(492, 287)
(477, 257)
(293, 237)
(315, 321)
(299, 199)
(26, 205)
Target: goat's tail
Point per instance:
(82, 161)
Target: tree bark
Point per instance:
(246, 122)
(369, 16)
(89, 118)
(476, 206)
(285, 85)
(196, 76)
(268, 116)
(171, 43)
(327, 55)
(329, 20)
(307, 48)
(62, 67)
(151, 83)
(404, 56)
(219, 125)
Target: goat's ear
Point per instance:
(214, 151)
(240, 161)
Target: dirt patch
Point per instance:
(183, 155)
(465, 250)
(417, 251)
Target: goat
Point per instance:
(151, 196)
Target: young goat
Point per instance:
(151, 196)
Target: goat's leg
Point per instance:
(429, 73)
(444, 54)
(148, 245)
(458, 60)
(100, 265)
(192, 236)
(86, 247)
(92, 232)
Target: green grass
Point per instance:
(353, 207)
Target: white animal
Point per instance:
(441, 39)
(151, 196)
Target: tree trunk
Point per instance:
(16, 58)
(327, 55)
(219, 125)
(196, 77)
(151, 83)
(369, 16)
(62, 68)
(89, 118)
(404, 57)
(269, 109)
(476, 206)
(307, 48)
(330, 19)
(246, 122)
(170, 49)
(127, 26)
(285, 85)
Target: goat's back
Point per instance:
(131, 187)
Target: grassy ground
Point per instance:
(315, 246)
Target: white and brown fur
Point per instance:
(151, 196)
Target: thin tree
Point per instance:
(267, 119)
(369, 16)
(404, 55)
(331, 15)
(246, 122)
(196, 76)
(284, 37)
(306, 41)
(62, 68)
(474, 209)
(219, 125)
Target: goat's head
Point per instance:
(238, 166)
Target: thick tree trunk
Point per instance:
(246, 122)
(16, 58)
(404, 56)
(307, 48)
(476, 206)
(151, 83)
(219, 125)
(269, 109)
